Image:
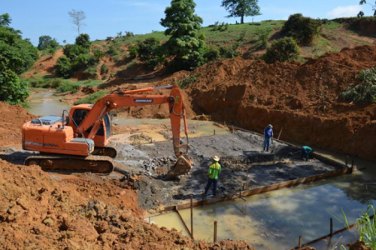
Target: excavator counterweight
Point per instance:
(77, 141)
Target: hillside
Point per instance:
(299, 98)
(246, 39)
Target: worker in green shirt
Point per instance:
(213, 174)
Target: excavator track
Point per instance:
(105, 151)
(66, 163)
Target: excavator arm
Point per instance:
(134, 98)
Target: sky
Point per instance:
(106, 18)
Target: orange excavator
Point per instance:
(77, 141)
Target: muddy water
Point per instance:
(44, 102)
(276, 219)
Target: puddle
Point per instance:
(275, 220)
(43, 102)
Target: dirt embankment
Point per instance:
(40, 210)
(11, 120)
(300, 99)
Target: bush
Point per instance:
(364, 92)
(63, 67)
(187, 81)
(104, 69)
(47, 43)
(73, 51)
(12, 90)
(303, 29)
(132, 50)
(83, 40)
(285, 49)
(148, 49)
(228, 52)
(211, 54)
(83, 61)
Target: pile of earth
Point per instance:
(11, 120)
(40, 210)
(301, 100)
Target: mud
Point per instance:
(243, 166)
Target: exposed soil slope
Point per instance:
(44, 65)
(11, 120)
(44, 211)
(300, 99)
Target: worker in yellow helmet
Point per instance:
(213, 174)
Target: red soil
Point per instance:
(51, 211)
(11, 120)
(300, 99)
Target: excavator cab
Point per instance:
(77, 115)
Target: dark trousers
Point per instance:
(210, 182)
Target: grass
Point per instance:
(242, 33)
(332, 25)
(68, 87)
(92, 98)
(366, 227)
(61, 85)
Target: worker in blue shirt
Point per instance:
(268, 135)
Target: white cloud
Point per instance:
(345, 11)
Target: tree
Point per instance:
(362, 2)
(77, 18)
(5, 20)
(47, 42)
(186, 43)
(16, 56)
(241, 8)
(83, 40)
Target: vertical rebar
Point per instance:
(331, 227)
(213, 131)
(215, 231)
(300, 242)
(192, 217)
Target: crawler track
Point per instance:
(66, 163)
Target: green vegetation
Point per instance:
(92, 98)
(16, 56)
(47, 43)
(303, 29)
(367, 227)
(61, 85)
(151, 52)
(365, 92)
(285, 49)
(187, 81)
(186, 44)
(77, 57)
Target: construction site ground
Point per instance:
(146, 153)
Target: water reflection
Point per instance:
(275, 220)
(43, 102)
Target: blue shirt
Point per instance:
(268, 132)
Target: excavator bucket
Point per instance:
(182, 166)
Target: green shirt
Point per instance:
(214, 170)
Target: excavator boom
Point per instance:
(89, 127)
